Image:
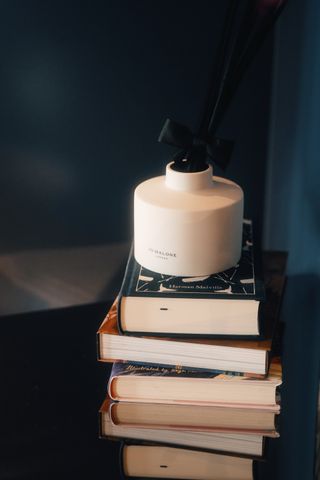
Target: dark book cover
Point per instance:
(137, 369)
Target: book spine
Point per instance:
(98, 343)
(110, 386)
(121, 330)
(261, 322)
(125, 287)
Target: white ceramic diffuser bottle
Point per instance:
(188, 224)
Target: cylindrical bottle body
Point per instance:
(188, 233)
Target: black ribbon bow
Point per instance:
(193, 153)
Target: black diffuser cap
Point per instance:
(190, 162)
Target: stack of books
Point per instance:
(196, 365)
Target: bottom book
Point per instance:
(246, 444)
(159, 461)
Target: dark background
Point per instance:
(85, 88)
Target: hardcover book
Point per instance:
(223, 419)
(155, 384)
(223, 304)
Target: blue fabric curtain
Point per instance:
(292, 223)
(292, 220)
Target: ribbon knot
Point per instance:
(194, 150)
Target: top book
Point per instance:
(222, 304)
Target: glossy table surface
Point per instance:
(53, 386)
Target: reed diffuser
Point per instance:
(189, 222)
